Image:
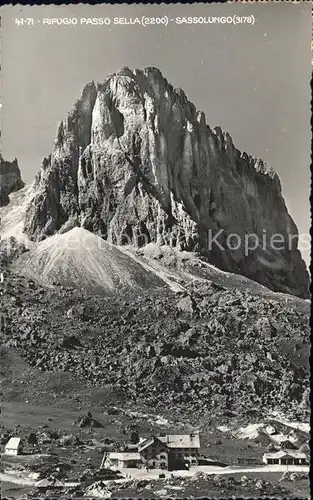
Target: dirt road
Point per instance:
(266, 468)
(208, 469)
(10, 478)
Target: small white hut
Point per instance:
(13, 446)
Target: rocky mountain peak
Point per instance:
(10, 179)
(134, 162)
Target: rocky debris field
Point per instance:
(208, 350)
(198, 486)
(294, 476)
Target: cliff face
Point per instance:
(10, 179)
(135, 162)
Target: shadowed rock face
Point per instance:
(134, 162)
(10, 179)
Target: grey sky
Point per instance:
(253, 81)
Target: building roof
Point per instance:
(285, 454)
(125, 456)
(132, 446)
(181, 440)
(144, 443)
(13, 443)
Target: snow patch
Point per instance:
(223, 428)
(12, 216)
(251, 431)
(189, 127)
(301, 426)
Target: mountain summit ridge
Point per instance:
(135, 162)
(10, 179)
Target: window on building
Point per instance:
(163, 456)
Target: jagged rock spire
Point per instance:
(135, 162)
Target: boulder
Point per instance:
(270, 429)
(69, 440)
(98, 489)
(87, 421)
(186, 305)
(260, 484)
